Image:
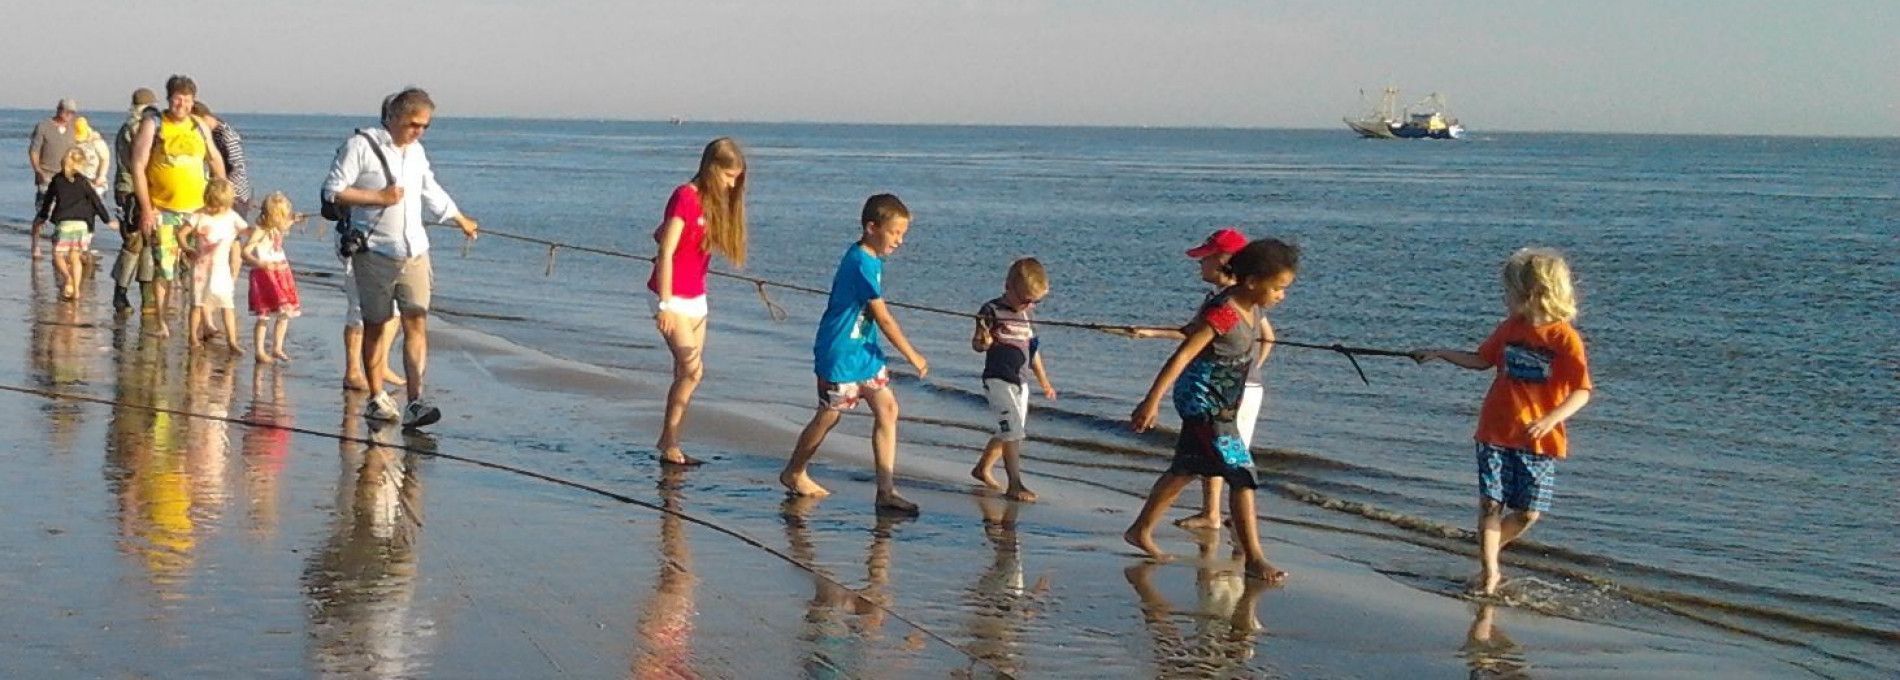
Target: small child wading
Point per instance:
(1212, 255)
(1006, 334)
(848, 361)
(273, 288)
(71, 204)
(1543, 378)
(1208, 373)
(214, 230)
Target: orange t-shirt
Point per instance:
(1537, 368)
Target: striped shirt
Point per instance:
(231, 145)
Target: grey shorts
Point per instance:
(385, 285)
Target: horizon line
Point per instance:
(1101, 126)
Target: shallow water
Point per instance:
(1733, 463)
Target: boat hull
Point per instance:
(1371, 129)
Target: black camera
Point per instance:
(350, 240)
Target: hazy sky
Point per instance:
(1726, 66)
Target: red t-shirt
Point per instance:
(1537, 368)
(690, 259)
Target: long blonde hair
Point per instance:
(724, 211)
(72, 163)
(276, 216)
(1537, 286)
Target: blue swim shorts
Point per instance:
(1521, 480)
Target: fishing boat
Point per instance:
(1423, 120)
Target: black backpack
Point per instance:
(350, 240)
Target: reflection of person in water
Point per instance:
(1225, 622)
(362, 582)
(666, 621)
(266, 446)
(999, 602)
(210, 384)
(1488, 651)
(144, 468)
(57, 341)
(837, 646)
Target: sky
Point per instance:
(1809, 67)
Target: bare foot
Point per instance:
(1263, 570)
(981, 473)
(1145, 543)
(672, 455)
(395, 379)
(234, 347)
(1485, 585)
(1020, 494)
(281, 356)
(891, 502)
(1197, 522)
(355, 383)
(800, 484)
(263, 358)
(164, 331)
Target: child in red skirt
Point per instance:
(273, 288)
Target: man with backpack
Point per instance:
(382, 188)
(125, 270)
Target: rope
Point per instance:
(503, 467)
(777, 313)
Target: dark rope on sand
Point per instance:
(777, 313)
(503, 467)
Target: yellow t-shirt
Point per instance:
(176, 174)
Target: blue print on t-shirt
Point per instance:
(1528, 364)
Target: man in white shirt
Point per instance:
(392, 273)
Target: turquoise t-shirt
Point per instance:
(846, 349)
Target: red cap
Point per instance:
(1228, 240)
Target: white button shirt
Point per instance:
(398, 231)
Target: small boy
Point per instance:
(1006, 334)
(848, 360)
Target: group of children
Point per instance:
(1213, 376)
(209, 250)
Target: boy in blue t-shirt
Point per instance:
(848, 360)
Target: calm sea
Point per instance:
(1736, 465)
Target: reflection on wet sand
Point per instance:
(1488, 651)
(362, 583)
(60, 342)
(838, 646)
(999, 601)
(665, 629)
(145, 465)
(1226, 626)
(266, 448)
(210, 384)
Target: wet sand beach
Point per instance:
(144, 542)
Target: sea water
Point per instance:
(1735, 464)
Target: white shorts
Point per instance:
(1009, 405)
(689, 307)
(1249, 412)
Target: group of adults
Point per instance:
(381, 183)
(164, 157)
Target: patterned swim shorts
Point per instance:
(1521, 480)
(845, 396)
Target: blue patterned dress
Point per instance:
(1207, 397)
